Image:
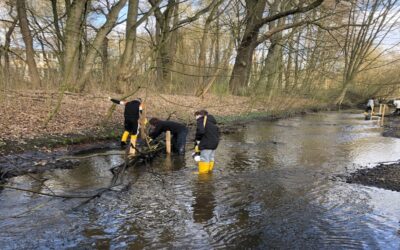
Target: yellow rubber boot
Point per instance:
(124, 136)
(211, 166)
(204, 167)
(132, 148)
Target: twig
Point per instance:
(46, 194)
(87, 156)
(42, 182)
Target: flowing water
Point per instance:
(273, 186)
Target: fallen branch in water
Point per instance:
(46, 194)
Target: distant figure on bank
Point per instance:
(207, 139)
(178, 131)
(370, 105)
(132, 112)
(396, 104)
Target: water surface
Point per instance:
(273, 187)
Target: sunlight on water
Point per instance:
(271, 188)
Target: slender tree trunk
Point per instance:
(73, 36)
(203, 44)
(104, 59)
(126, 60)
(26, 35)
(173, 45)
(6, 49)
(98, 42)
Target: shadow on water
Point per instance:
(271, 188)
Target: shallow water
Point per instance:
(273, 187)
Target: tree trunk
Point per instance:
(98, 43)
(173, 46)
(339, 100)
(203, 44)
(126, 60)
(73, 36)
(6, 49)
(242, 67)
(26, 35)
(104, 59)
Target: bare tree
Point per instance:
(72, 38)
(96, 45)
(368, 23)
(27, 37)
(250, 40)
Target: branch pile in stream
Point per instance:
(144, 155)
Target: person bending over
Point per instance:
(178, 131)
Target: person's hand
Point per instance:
(196, 157)
(109, 98)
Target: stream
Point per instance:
(274, 185)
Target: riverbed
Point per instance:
(274, 185)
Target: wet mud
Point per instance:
(382, 176)
(35, 162)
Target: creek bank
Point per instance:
(382, 176)
(39, 155)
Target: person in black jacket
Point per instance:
(132, 112)
(207, 139)
(178, 131)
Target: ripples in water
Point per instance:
(271, 188)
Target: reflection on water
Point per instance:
(271, 188)
(204, 203)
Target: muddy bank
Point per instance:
(47, 143)
(382, 176)
(88, 117)
(108, 133)
(39, 161)
(39, 155)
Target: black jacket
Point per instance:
(208, 135)
(132, 110)
(164, 126)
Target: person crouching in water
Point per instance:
(207, 139)
(178, 131)
(132, 112)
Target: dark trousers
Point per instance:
(178, 142)
(131, 126)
